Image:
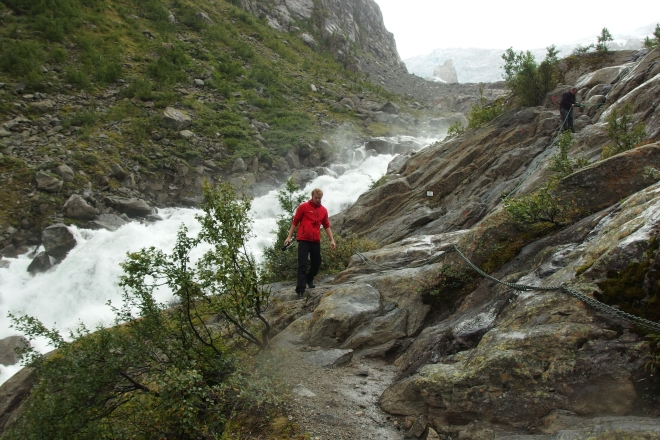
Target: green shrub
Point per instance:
(651, 173)
(163, 371)
(652, 43)
(77, 77)
(623, 132)
(560, 163)
(282, 265)
(334, 261)
(482, 113)
(653, 362)
(20, 58)
(541, 206)
(85, 118)
(169, 67)
(455, 129)
(140, 88)
(580, 50)
(603, 38)
(530, 82)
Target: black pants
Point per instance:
(307, 271)
(567, 119)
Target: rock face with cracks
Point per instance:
(478, 359)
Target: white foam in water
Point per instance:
(78, 289)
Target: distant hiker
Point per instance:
(566, 109)
(309, 218)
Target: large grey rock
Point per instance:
(606, 75)
(40, 263)
(78, 208)
(65, 172)
(117, 171)
(390, 108)
(301, 177)
(605, 183)
(8, 345)
(109, 222)
(13, 393)
(203, 17)
(341, 311)
(380, 330)
(239, 166)
(382, 146)
(292, 159)
(308, 40)
(58, 240)
(132, 207)
(329, 358)
(176, 119)
(48, 183)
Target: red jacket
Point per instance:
(309, 217)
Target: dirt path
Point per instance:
(338, 403)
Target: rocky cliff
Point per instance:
(480, 359)
(337, 25)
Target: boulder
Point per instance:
(606, 182)
(65, 172)
(331, 358)
(308, 40)
(382, 146)
(40, 263)
(239, 166)
(390, 108)
(13, 393)
(44, 106)
(341, 311)
(9, 251)
(48, 183)
(292, 159)
(606, 75)
(132, 207)
(109, 222)
(58, 240)
(78, 208)
(302, 177)
(203, 17)
(176, 119)
(8, 345)
(118, 172)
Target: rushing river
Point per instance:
(78, 289)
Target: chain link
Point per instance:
(651, 325)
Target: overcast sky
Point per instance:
(419, 26)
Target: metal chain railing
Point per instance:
(382, 268)
(651, 325)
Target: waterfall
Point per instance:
(79, 288)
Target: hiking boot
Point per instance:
(311, 285)
(300, 292)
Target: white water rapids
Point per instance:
(78, 289)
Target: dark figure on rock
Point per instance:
(566, 109)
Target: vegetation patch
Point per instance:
(178, 370)
(529, 81)
(635, 289)
(447, 287)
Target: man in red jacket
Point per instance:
(309, 218)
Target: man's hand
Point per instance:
(333, 246)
